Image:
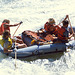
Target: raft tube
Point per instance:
(40, 49)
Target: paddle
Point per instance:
(15, 42)
(71, 28)
(15, 51)
(17, 28)
(63, 19)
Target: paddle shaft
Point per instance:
(63, 19)
(71, 28)
(16, 29)
(71, 25)
(15, 45)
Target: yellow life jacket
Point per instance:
(3, 41)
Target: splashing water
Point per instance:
(34, 13)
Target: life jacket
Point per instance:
(48, 27)
(2, 29)
(60, 32)
(55, 32)
(3, 41)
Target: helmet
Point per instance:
(51, 21)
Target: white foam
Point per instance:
(34, 14)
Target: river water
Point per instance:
(34, 13)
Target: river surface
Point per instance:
(34, 14)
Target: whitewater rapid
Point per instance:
(34, 13)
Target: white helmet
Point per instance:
(51, 21)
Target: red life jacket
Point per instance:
(56, 29)
(3, 28)
(60, 32)
(48, 27)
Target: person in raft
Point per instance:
(63, 33)
(6, 25)
(6, 42)
(49, 27)
(56, 30)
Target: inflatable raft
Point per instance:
(40, 49)
(36, 49)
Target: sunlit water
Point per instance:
(34, 13)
